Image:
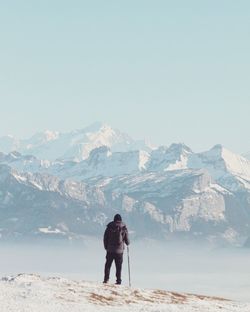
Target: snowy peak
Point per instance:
(236, 164)
(173, 158)
(102, 154)
(24, 163)
(230, 170)
(102, 162)
(42, 138)
(179, 148)
(106, 136)
(75, 145)
(220, 161)
(95, 127)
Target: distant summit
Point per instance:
(75, 145)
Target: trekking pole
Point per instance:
(129, 268)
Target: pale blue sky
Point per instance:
(169, 71)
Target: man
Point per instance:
(116, 234)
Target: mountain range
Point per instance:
(75, 145)
(70, 185)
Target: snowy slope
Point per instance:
(75, 145)
(24, 163)
(35, 204)
(102, 162)
(173, 202)
(156, 205)
(29, 293)
(229, 169)
(173, 158)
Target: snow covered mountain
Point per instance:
(75, 145)
(41, 204)
(160, 205)
(50, 294)
(173, 158)
(24, 163)
(164, 192)
(230, 170)
(102, 162)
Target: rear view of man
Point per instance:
(116, 234)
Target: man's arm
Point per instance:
(126, 238)
(105, 239)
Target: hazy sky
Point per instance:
(169, 71)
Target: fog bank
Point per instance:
(185, 267)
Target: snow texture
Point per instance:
(33, 293)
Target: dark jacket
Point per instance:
(111, 246)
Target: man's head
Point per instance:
(117, 217)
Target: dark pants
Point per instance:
(118, 264)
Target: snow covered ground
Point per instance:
(34, 293)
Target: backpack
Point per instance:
(116, 236)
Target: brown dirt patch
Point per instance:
(99, 299)
(201, 297)
(138, 296)
(177, 298)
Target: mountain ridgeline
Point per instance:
(70, 185)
